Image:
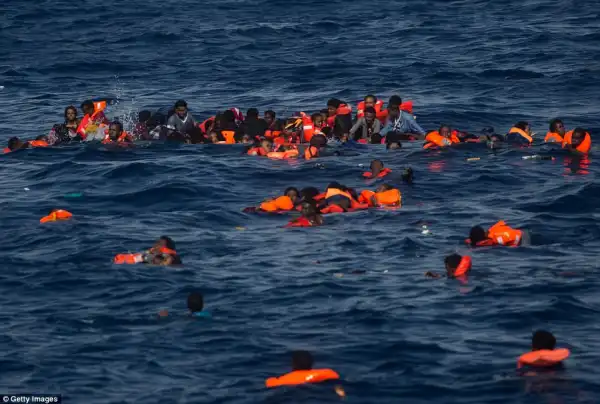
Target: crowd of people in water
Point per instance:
(281, 139)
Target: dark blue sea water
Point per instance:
(74, 323)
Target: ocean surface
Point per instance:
(352, 292)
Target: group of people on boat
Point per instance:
(369, 123)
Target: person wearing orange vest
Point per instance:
(302, 372)
(287, 202)
(498, 234)
(92, 118)
(370, 101)
(14, 143)
(443, 137)
(456, 266)
(163, 252)
(543, 354)
(265, 147)
(310, 216)
(116, 134)
(520, 134)
(556, 132)
(578, 141)
(274, 125)
(340, 117)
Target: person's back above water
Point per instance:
(498, 234)
(252, 125)
(182, 120)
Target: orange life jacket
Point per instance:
(308, 127)
(354, 204)
(311, 152)
(269, 134)
(553, 137)
(136, 258)
(257, 151)
(283, 155)
(502, 234)
(282, 203)
(391, 197)
(406, 106)
(522, 133)
(167, 251)
(381, 174)
(88, 120)
(463, 267)
(203, 125)
(434, 139)
(229, 136)
(124, 137)
(302, 377)
(57, 214)
(38, 143)
(343, 109)
(6, 150)
(584, 147)
(543, 358)
(360, 109)
(99, 106)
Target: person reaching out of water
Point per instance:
(556, 133)
(182, 120)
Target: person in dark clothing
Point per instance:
(366, 126)
(252, 126)
(141, 130)
(67, 131)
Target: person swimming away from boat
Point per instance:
(302, 372)
(162, 253)
(195, 305)
(456, 266)
(499, 234)
(310, 216)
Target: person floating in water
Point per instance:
(302, 372)
(543, 353)
(162, 253)
(456, 266)
(67, 131)
(498, 234)
(284, 203)
(556, 133)
(116, 134)
(195, 305)
(520, 134)
(385, 196)
(442, 137)
(578, 141)
(377, 170)
(310, 216)
(14, 144)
